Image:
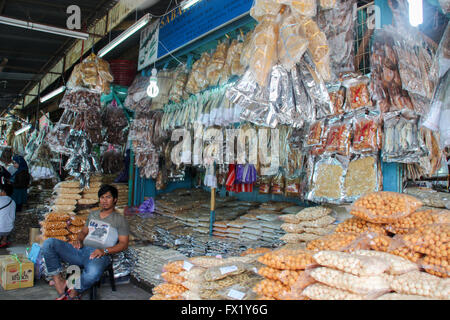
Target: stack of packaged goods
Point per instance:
(149, 261)
(211, 278)
(89, 196)
(364, 274)
(307, 225)
(122, 201)
(284, 273)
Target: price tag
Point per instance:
(219, 256)
(178, 242)
(236, 294)
(187, 266)
(225, 270)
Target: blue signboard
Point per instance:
(181, 27)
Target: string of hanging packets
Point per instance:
(210, 107)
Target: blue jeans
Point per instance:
(55, 251)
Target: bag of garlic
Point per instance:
(354, 264)
(320, 291)
(423, 284)
(397, 265)
(369, 286)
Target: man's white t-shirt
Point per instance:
(7, 214)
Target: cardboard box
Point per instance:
(10, 276)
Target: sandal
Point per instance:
(77, 297)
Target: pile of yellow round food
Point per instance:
(359, 225)
(254, 251)
(432, 239)
(291, 259)
(335, 241)
(174, 266)
(436, 266)
(271, 288)
(172, 277)
(169, 290)
(384, 206)
(417, 219)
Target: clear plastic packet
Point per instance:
(262, 8)
(307, 8)
(421, 283)
(174, 266)
(217, 64)
(436, 266)
(165, 83)
(92, 73)
(299, 237)
(237, 292)
(327, 4)
(431, 239)
(365, 132)
(291, 44)
(352, 263)
(372, 286)
(264, 51)
(338, 137)
(338, 25)
(264, 184)
(169, 290)
(233, 64)
(358, 225)
(345, 241)
(362, 177)
(217, 273)
(89, 122)
(384, 206)
(277, 184)
(137, 92)
(289, 259)
(328, 179)
(415, 220)
(197, 80)
(303, 102)
(414, 64)
(297, 281)
(315, 86)
(315, 133)
(337, 97)
(246, 53)
(397, 266)
(171, 277)
(80, 99)
(358, 95)
(180, 78)
(292, 188)
(318, 291)
(270, 288)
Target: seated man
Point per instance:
(105, 232)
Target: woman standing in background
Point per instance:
(20, 181)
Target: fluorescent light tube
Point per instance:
(22, 130)
(43, 28)
(124, 35)
(52, 94)
(188, 3)
(415, 12)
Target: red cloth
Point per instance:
(231, 186)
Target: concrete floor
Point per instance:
(42, 291)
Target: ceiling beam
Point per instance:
(6, 52)
(115, 16)
(17, 76)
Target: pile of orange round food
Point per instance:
(384, 206)
(431, 239)
(436, 266)
(406, 253)
(291, 259)
(169, 289)
(255, 251)
(269, 273)
(359, 225)
(381, 242)
(271, 288)
(172, 277)
(335, 242)
(174, 266)
(417, 219)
